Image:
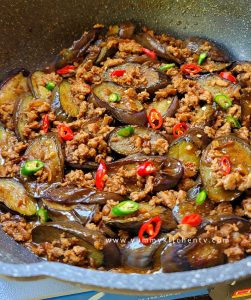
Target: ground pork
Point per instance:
(89, 73)
(243, 133)
(190, 169)
(80, 179)
(168, 198)
(247, 207)
(130, 46)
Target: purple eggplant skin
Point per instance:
(155, 78)
(169, 170)
(245, 102)
(13, 73)
(109, 256)
(149, 42)
(139, 256)
(178, 257)
(216, 53)
(121, 114)
(240, 70)
(77, 50)
(71, 195)
(126, 30)
(144, 214)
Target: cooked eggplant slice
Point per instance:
(37, 86)
(105, 52)
(128, 145)
(210, 66)
(245, 102)
(188, 147)
(168, 171)
(20, 115)
(6, 142)
(177, 257)
(149, 42)
(204, 116)
(71, 195)
(166, 107)
(109, 256)
(63, 104)
(80, 213)
(126, 110)
(126, 30)
(144, 213)
(209, 83)
(15, 197)
(155, 79)
(239, 153)
(199, 45)
(46, 148)
(139, 256)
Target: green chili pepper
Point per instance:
(126, 131)
(201, 197)
(167, 67)
(125, 208)
(233, 121)
(30, 167)
(202, 57)
(42, 215)
(114, 97)
(50, 86)
(223, 101)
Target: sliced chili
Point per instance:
(149, 53)
(190, 69)
(30, 167)
(179, 129)
(114, 97)
(126, 131)
(65, 70)
(233, 121)
(225, 164)
(118, 73)
(145, 169)
(155, 119)
(192, 219)
(125, 208)
(202, 57)
(42, 215)
(65, 132)
(50, 86)
(167, 67)
(201, 197)
(223, 101)
(149, 230)
(228, 76)
(46, 123)
(101, 172)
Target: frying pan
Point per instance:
(33, 31)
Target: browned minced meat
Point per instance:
(89, 73)
(234, 243)
(80, 179)
(168, 198)
(89, 143)
(66, 250)
(11, 156)
(244, 73)
(16, 227)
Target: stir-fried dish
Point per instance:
(129, 152)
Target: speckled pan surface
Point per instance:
(33, 30)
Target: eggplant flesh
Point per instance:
(166, 107)
(239, 153)
(133, 223)
(168, 171)
(126, 30)
(245, 102)
(204, 117)
(155, 79)
(129, 111)
(127, 146)
(71, 195)
(37, 87)
(50, 153)
(52, 231)
(15, 197)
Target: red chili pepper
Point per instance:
(179, 129)
(149, 53)
(46, 123)
(118, 73)
(65, 70)
(228, 75)
(101, 171)
(155, 119)
(190, 69)
(192, 219)
(145, 169)
(151, 228)
(65, 132)
(225, 164)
